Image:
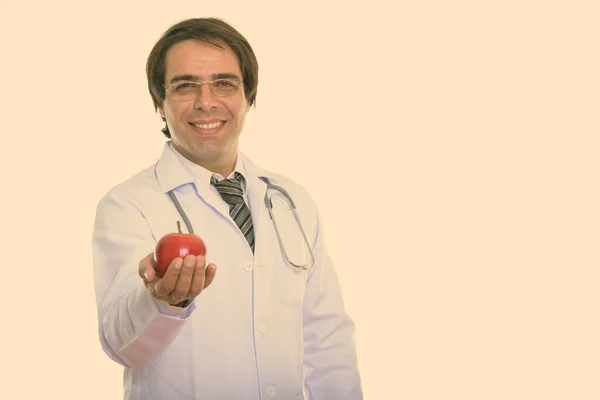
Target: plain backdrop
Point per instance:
(451, 146)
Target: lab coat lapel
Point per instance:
(171, 174)
(260, 216)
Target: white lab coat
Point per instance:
(261, 330)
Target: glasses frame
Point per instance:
(169, 89)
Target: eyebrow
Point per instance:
(196, 78)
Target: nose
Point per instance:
(206, 99)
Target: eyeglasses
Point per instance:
(189, 90)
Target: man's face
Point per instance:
(204, 130)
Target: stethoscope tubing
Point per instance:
(269, 205)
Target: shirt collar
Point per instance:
(173, 170)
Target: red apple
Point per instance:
(175, 245)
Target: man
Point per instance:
(254, 322)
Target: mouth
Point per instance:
(207, 127)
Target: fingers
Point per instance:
(197, 283)
(195, 276)
(184, 279)
(211, 271)
(188, 274)
(167, 283)
(146, 268)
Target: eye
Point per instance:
(185, 86)
(225, 84)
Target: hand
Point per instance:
(184, 279)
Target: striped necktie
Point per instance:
(232, 193)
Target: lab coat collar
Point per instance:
(172, 173)
(202, 176)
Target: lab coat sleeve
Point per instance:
(330, 359)
(134, 329)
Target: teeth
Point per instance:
(208, 126)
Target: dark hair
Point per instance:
(210, 30)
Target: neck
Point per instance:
(223, 165)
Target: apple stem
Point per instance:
(179, 226)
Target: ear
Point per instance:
(161, 111)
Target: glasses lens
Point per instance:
(225, 87)
(184, 90)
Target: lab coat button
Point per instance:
(271, 391)
(248, 266)
(262, 327)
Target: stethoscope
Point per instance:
(269, 204)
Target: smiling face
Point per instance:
(205, 130)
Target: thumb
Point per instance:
(147, 268)
(149, 274)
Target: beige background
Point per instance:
(464, 133)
